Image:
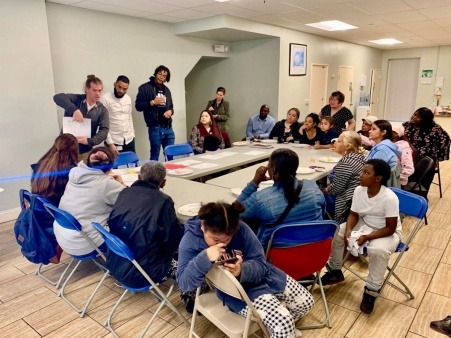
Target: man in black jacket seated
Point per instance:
(144, 218)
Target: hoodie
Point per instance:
(385, 150)
(89, 196)
(258, 277)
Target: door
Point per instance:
(345, 82)
(318, 88)
(374, 90)
(402, 84)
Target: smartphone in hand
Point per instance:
(228, 257)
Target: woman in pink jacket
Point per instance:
(406, 159)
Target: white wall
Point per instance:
(28, 120)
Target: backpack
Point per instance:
(33, 232)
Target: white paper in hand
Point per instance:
(77, 128)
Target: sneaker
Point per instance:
(442, 326)
(332, 277)
(297, 333)
(368, 300)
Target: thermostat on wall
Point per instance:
(220, 48)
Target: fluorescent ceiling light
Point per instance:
(331, 26)
(388, 41)
(221, 0)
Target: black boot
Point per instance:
(368, 300)
(442, 326)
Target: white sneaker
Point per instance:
(297, 333)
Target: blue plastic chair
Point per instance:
(412, 205)
(177, 150)
(125, 158)
(66, 220)
(117, 246)
(303, 249)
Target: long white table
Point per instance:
(307, 157)
(220, 160)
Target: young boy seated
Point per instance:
(375, 213)
(326, 125)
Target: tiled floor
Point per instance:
(29, 306)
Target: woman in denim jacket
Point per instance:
(265, 206)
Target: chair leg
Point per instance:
(165, 301)
(327, 321)
(193, 319)
(61, 294)
(110, 315)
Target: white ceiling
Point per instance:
(417, 23)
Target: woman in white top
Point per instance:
(89, 196)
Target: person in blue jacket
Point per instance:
(385, 149)
(218, 229)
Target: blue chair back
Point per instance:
(177, 150)
(411, 204)
(65, 219)
(25, 195)
(290, 234)
(114, 243)
(125, 157)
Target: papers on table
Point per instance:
(77, 128)
(189, 162)
(204, 165)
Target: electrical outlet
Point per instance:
(307, 101)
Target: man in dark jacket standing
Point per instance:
(154, 99)
(144, 218)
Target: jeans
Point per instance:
(159, 136)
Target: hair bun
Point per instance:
(238, 207)
(91, 76)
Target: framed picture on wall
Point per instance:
(298, 60)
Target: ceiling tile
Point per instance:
(225, 8)
(141, 5)
(301, 16)
(185, 3)
(418, 25)
(188, 14)
(65, 2)
(111, 9)
(437, 13)
(338, 13)
(163, 18)
(314, 3)
(419, 4)
(443, 22)
(380, 6)
(400, 17)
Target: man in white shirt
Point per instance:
(121, 136)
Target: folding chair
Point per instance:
(302, 249)
(421, 171)
(177, 150)
(125, 158)
(212, 308)
(439, 183)
(68, 221)
(411, 205)
(117, 246)
(42, 214)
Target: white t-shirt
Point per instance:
(374, 211)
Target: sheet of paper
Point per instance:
(77, 128)
(210, 157)
(204, 165)
(223, 154)
(254, 152)
(189, 162)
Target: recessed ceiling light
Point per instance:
(331, 26)
(388, 41)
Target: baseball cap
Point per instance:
(370, 119)
(398, 129)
